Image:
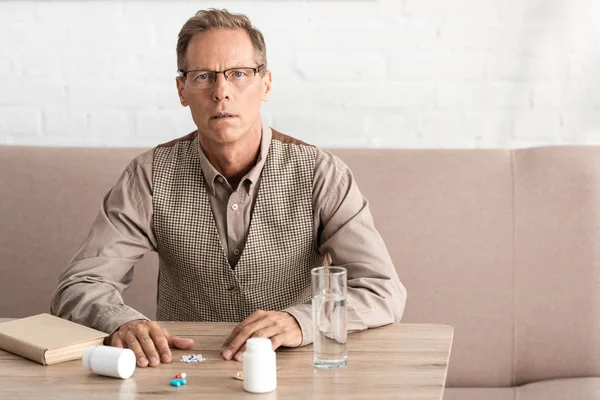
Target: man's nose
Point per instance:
(220, 88)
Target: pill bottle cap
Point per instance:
(87, 355)
(259, 344)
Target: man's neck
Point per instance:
(234, 160)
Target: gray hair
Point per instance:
(212, 18)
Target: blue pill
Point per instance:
(175, 382)
(182, 381)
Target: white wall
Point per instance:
(347, 73)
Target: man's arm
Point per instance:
(345, 230)
(89, 289)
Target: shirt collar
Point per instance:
(211, 174)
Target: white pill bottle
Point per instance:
(259, 365)
(109, 361)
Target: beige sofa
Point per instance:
(503, 245)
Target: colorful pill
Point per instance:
(183, 375)
(178, 376)
(175, 382)
(182, 381)
(239, 376)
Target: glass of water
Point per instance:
(329, 317)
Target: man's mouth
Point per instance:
(221, 115)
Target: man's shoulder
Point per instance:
(146, 159)
(283, 138)
(324, 160)
(327, 161)
(141, 165)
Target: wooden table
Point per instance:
(399, 361)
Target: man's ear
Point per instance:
(266, 82)
(180, 85)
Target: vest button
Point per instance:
(234, 207)
(236, 252)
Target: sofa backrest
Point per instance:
(500, 244)
(503, 245)
(48, 200)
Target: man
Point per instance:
(238, 213)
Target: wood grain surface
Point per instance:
(399, 361)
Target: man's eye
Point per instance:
(202, 77)
(240, 74)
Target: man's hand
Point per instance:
(147, 339)
(279, 326)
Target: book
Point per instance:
(47, 339)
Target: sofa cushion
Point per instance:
(500, 244)
(559, 389)
(446, 217)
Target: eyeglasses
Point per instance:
(239, 77)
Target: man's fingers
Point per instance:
(240, 354)
(149, 341)
(134, 345)
(161, 343)
(278, 340)
(268, 332)
(116, 341)
(178, 342)
(274, 332)
(281, 327)
(255, 316)
(182, 343)
(149, 348)
(238, 341)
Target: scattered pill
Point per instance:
(178, 376)
(175, 382)
(192, 358)
(183, 375)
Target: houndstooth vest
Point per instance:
(196, 282)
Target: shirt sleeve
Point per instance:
(89, 289)
(344, 229)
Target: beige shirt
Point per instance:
(89, 290)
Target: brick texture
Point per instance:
(347, 73)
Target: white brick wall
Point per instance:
(347, 73)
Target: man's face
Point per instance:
(224, 112)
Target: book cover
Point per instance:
(47, 339)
